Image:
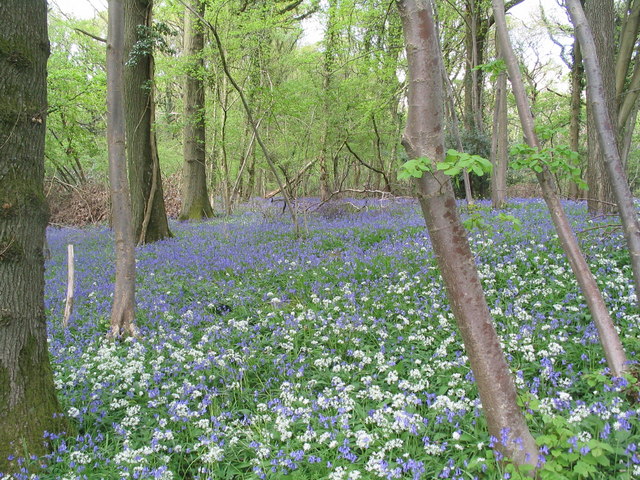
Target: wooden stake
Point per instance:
(68, 307)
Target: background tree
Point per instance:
(607, 137)
(195, 198)
(145, 181)
(123, 307)
(609, 338)
(601, 15)
(577, 87)
(28, 403)
(500, 140)
(423, 138)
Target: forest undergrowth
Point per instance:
(335, 356)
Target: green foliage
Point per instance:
(451, 166)
(151, 39)
(559, 159)
(493, 68)
(415, 168)
(75, 145)
(456, 161)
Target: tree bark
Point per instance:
(424, 138)
(145, 181)
(609, 338)
(123, 307)
(607, 138)
(195, 198)
(499, 143)
(601, 15)
(328, 66)
(28, 403)
(577, 74)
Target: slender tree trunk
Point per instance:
(608, 335)
(145, 181)
(195, 198)
(424, 138)
(123, 308)
(627, 139)
(475, 34)
(608, 140)
(499, 143)
(28, 403)
(601, 15)
(328, 67)
(576, 110)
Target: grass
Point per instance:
(338, 357)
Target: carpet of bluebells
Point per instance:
(334, 355)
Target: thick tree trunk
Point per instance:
(147, 202)
(607, 137)
(195, 198)
(499, 144)
(123, 308)
(424, 138)
(609, 338)
(601, 15)
(28, 403)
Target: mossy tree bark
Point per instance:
(28, 402)
(601, 15)
(145, 182)
(424, 137)
(195, 199)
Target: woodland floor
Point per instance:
(334, 355)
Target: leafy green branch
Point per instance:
(558, 159)
(451, 166)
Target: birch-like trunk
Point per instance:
(609, 337)
(607, 139)
(423, 137)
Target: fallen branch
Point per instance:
(291, 182)
(615, 226)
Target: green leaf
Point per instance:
(583, 468)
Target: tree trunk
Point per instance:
(499, 143)
(609, 338)
(607, 138)
(195, 198)
(601, 15)
(28, 403)
(576, 110)
(123, 308)
(628, 83)
(328, 67)
(475, 35)
(424, 138)
(147, 202)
